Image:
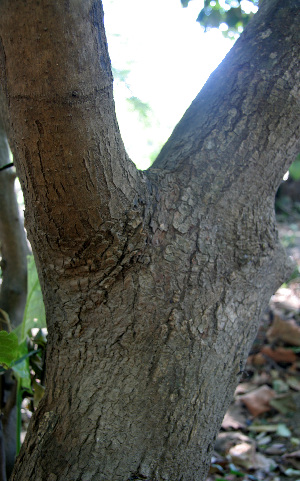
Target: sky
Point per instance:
(169, 57)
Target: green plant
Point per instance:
(22, 349)
(294, 169)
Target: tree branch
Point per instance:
(66, 142)
(244, 124)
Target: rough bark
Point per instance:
(153, 282)
(14, 249)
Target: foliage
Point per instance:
(287, 203)
(9, 348)
(34, 314)
(294, 169)
(121, 75)
(142, 108)
(134, 103)
(22, 349)
(231, 15)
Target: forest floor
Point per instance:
(260, 435)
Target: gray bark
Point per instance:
(153, 282)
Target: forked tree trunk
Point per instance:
(154, 281)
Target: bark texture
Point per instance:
(154, 282)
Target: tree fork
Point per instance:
(153, 282)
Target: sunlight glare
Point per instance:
(169, 57)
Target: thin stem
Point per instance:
(19, 420)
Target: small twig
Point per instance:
(4, 318)
(11, 164)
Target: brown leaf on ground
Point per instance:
(257, 360)
(276, 449)
(258, 401)
(244, 387)
(245, 455)
(292, 461)
(294, 454)
(276, 432)
(225, 441)
(286, 331)
(293, 382)
(261, 378)
(285, 404)
(287, 299)
(280, 354)
(234, 418)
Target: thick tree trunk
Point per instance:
(153, 282)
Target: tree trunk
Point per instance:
(154, 282)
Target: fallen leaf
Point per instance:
(292, 462)
(293, 382)
(257, 360)
(244, 455)
(280, 354)
(258, 401)
(292, 472)
(286, 298)
(234, 417)
(216, 468)
(263, 439)
(286, 331)
(294, 454)
(280, 386)
(263, 428)
(244, 387)
(259, 379)
(284, 403)
(283, 431)
(225, 441)
(276, 449)
(264, 463)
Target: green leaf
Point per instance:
(22, 371)
(214, 13)
(292, 472)
(295, 169)
(142, 108)
(121, 75)
(4, 317)
(21, 367)
(283, 431)
(38, 392)
(34, 313)
(235, 471)
(9, 348)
